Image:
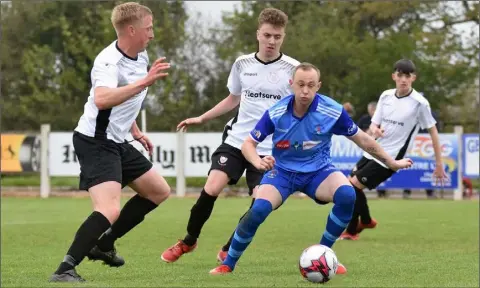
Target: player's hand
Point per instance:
(376, 132)
(402, 164)
(439, 175)
(157, 71)
(146, 143)
(190, 121)
(266, 163)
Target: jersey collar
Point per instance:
(123, 53)
(312, 108)
(405, 96)
(269, 62)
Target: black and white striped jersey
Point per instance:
(260, 85)
(113, 68)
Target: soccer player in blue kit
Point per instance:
(302, 126)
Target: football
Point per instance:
(318, 264)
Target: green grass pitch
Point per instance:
(418, 243)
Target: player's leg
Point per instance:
(359, 207)
(253, 177)
(328, 186)
(362, 206)
(101, 176)
(368, 176)
(337, 189)
(222, 254)
(152, 189)
(227, 168)
(361, 210)
(106, 206)
(273, 191)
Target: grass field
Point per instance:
(33, 180)
(24, 180)
(417, 243)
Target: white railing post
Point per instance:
(44, 161)
(458, 193)
(180, 164)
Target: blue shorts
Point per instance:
(288, 182)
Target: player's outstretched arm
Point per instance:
(439, 173)
(224, 106)
(106, 97)
(369, 145)
(436, 145)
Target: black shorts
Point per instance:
(105, 160)
(231, 161)
(370, 173)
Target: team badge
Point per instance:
(222, 160)
(272, 174)
(273, 78)
(296, 145)
(257, 133)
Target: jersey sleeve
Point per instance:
(377, 116)
(425, 117)
(234, 84)
(104, 75)
(344, 125)
(263, 128)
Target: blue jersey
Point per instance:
(303, 144)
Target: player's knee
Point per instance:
(164, 193)
(161, 195)
(259, 212)
(213, 187)
(111, 212)
(355, 182)
(216, 181)
(345, 196)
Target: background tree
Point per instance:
(48, 49)
(356, 43)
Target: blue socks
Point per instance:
(246, 229)
(341, 214)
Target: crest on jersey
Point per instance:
(296, 145)
(257, 133)
(352, 128)
(273, 77)
(318, 130)
(272, 174)
(222, 160)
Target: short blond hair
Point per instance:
(305, 66)
(128, 13)
(273, 16)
